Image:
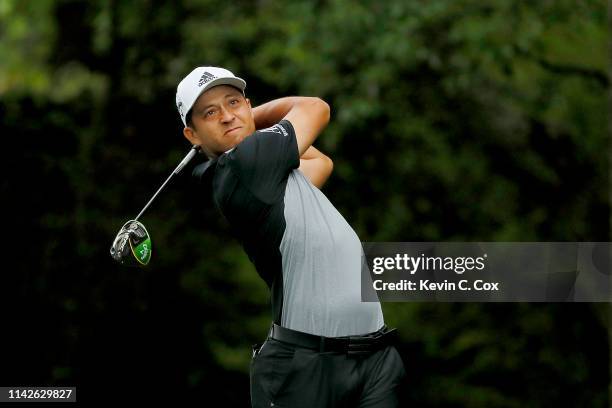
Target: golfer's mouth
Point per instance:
(231, 130)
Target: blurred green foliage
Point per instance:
(451, 120)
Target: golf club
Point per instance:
(132, 245)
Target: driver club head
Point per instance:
(132, 245)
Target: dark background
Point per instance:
(452, 120)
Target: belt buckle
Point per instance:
(359, 346)
(364, 345)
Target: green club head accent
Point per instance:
(142, 252)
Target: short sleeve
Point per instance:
(264, 160)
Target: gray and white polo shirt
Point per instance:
(301, 246)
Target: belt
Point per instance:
(363, 344)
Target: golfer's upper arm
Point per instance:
(309, 117)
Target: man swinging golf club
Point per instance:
(325, 347)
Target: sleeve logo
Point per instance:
(278, 128)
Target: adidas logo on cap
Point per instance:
(205, 78)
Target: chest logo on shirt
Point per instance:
(276, 129)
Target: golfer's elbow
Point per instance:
(325, 114)
(318, 109)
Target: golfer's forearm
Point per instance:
(272, 112)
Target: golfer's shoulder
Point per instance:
(283, 128)
(272, 135)
(274, 141)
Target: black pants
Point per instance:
(284, 375)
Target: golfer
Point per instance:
(325, 347)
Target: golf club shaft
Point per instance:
(178, 169)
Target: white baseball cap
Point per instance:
(200, 80)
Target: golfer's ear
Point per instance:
(189, 135)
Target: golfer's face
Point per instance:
(222, 118)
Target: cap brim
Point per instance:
(236, 82)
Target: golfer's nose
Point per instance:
(227, 115)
